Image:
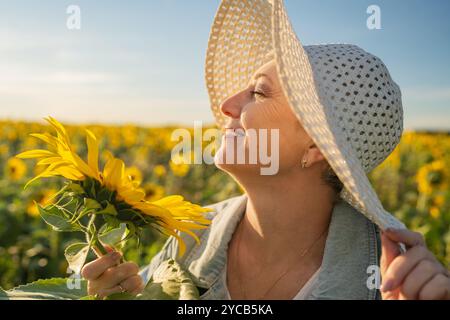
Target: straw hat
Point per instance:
(343, 96)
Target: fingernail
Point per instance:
(387, 285)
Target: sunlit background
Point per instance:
(134, 73)
(142, 61)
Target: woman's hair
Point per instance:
(331, 179)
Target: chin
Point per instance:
(235, 169)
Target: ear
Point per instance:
(314, 155)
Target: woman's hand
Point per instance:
(415, 274)
(107, 275)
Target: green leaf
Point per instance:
(3, 293)
(121, 296)
(76, 255)
(48, 289)
(131, 231)
(57, 219)
(114, 236)
(91, 204)
(170, 282)
(72, 205)
(109, 210)
(105, 195)
(75, 188)
(89, 187)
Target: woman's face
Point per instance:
(262, 105)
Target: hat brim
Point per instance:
(242, 35)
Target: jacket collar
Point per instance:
(351, 247)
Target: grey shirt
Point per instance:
(352, 251)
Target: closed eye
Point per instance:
(257, 93)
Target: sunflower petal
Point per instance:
(167, 201)
(48, 161)
(35, 154)
(47, 138)
(45, 174)
(70, 173)
(181, 244)
(113, 172)
(92, 144)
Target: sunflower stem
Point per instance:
(97, 246)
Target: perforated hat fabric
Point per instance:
(343, 96)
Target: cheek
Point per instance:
(273, 116)
(264, 115)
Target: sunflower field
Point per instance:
(413, 183)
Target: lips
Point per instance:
(234, 132)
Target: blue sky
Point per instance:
(142, 61)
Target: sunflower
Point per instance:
(15, 169)
(179, 166)
(153, 191)
(439, 200)
(435, 212)
(171, 214)
(134, 174)
(432, 177)
(159, 170)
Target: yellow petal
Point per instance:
(152, 210)
(131, 195)
(35, 154)
(113, 172)
(181, 244)
(166, 201)
(92, 144)
(70, 173)
(79, 164)
(60, 130)
(47, 138)
(45, 174)
(48, 161)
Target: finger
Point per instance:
(133, 284)
(389, 251)
(116, 275)
(438, 288)
(96, 268)
(404, 264)
(417, 279)
(409, 238)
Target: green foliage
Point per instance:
(170, 283)
(49, 289)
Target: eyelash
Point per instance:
(254, 93)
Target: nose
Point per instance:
(232, 106)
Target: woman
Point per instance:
(310, 231)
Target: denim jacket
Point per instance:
(352, 245)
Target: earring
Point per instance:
(304, 163)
